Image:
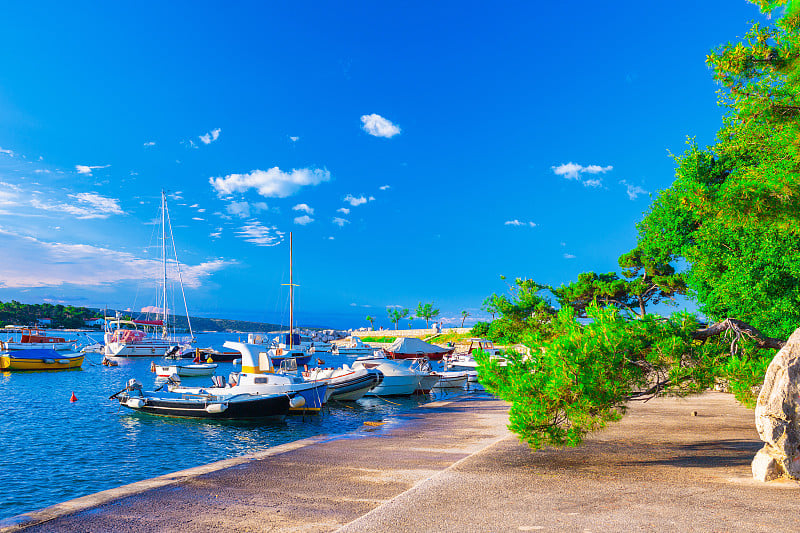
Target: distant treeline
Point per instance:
(70, 317)
(61, 316)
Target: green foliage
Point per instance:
(745, 373)
(396, 315)
(62, 316)
(522, 309)
(490, 305)
(427, 312)
(371, 320)
(480, 329)
(582, 376)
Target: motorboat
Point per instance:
(413, 348)
(398, 378)
(210, 404)
(34, 338)
(452, 379)
(464, 361)
(428, 378)
(345, 383)
(260, 376)
(354, 348)
(38, 359)
(185, 370)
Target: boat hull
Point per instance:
(253, 407)
(403, 385)
(426, 383)
(452, 380)
(118, 349)
(41, 359)
(60, 346)
(186, 371)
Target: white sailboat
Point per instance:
(140, 338)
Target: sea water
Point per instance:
(52, 450)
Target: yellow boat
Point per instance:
(39, 359)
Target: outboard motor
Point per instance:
(172, 350)
(133, 385)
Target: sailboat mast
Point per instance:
(291, 296)
(164, 260)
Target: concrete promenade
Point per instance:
(453, 466)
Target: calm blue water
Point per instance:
(52, 450)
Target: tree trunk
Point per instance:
(739, 330)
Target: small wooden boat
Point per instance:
(39, 359)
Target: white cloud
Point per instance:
(153, 309)
(30, 262)
(197, 218)
(150, 143)
(343, 210)
(384, 187)
(633, 191)
(241, 209)
(378, 126)
(593, 182)
(211, 136)
(304, 207)
(574, 171)
(260, 235)
(42, 171)
(86, 169)
(9, 153)
(340, 221)
(516, 222)
(272, 183)
(217, 234)
(294, 139)
(356, 201)
(569, 256)
(89, 205)
(303, 220)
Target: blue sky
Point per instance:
(417, 152)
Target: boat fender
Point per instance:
(48, 361)
(62, 361)
(297, 402)
(135, 403)
(216, 408)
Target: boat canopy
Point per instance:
(149, 322)
(411, 345)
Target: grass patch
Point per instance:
(447, 337)
(378, 339)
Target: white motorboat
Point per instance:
(398, 378)
(452, 379)
(259, 376)
(225, 404)
(355, 348)
(184, 371)
(345, 383)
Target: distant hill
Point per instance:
(61, 316)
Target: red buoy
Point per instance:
(73, 398)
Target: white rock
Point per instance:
(778, 415)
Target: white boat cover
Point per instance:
(411, 345)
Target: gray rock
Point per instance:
(778, 416)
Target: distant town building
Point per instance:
(94, 322)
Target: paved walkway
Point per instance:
(454, 467)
